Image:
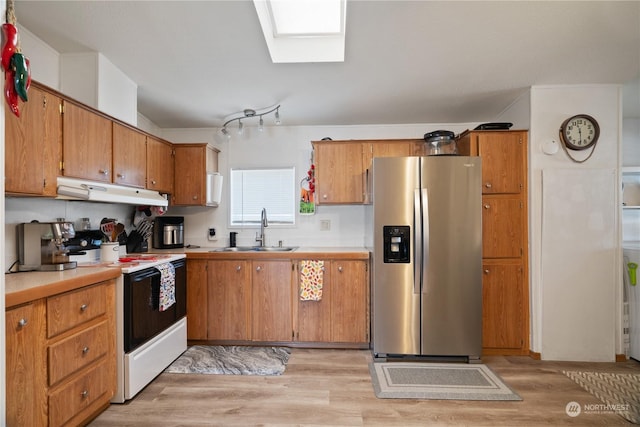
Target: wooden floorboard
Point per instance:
(333, 388)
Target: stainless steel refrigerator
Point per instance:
(427, 257)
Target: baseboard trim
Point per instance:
(535, 355)
(621, 358)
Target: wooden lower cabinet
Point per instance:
(61, 360)
(271, 300)
(26, 374)
(197, 297)
(502, 294)
(229, 300)
(342, 314)
(257, 301)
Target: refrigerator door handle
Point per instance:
(417, 241)
(425, 237)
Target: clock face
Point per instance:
(580, 132)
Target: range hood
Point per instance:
(80, 189)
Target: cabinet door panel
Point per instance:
(229, 297)
(197, 297)
(33, 145)
(340, 173)
(314, 317)
(160, 167)
(503, 308)
(349, 291)
(189, 183)
(129, 156)
(26, 366)
(502, 162)
(502, 227)
(271, 301)
(87, 144)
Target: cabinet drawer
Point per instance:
(68, 401)
(71, 309)
(77, 351)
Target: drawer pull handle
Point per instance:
(22, 322)
(85, 350)
(486, 272)
(487, 206)
(84, 394)
(488, 185)
(83, 307)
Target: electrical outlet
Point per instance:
(211, 235)
(325, 225)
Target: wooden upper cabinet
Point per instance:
(129, 156)
(340, 172)
(192, 162)
(160, 167)
(503, 154)
(87, 144)
(33, 145)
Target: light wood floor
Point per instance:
(333, 387)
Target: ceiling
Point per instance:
(198, 62)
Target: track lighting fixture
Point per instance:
(250, 113)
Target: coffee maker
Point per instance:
(42, 246)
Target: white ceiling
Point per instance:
(196, 63)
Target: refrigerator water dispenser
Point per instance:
(396, 243)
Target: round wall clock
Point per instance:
(580, 132)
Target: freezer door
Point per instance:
(395, 283)
(451, 300)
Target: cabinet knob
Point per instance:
(487, 206)
(84, 307)
(153, 181)
(85, 350)
(195, 197)
(486, 272)
(340, 269)
(324, 196)
(258, 268)
(22, 322)
(238, 268)
(121, 176)
(84, 394)
(488, 185)
(104, 172)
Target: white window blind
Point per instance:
(254, 189)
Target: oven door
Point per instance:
(142, 316)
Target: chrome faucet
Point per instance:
(263, 224)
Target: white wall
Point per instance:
(575, 228)
(286, 146)
(44, 60)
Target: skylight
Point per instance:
(303, 30)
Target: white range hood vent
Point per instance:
(79, 189)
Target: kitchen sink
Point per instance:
(256, 249)
(275, 248)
